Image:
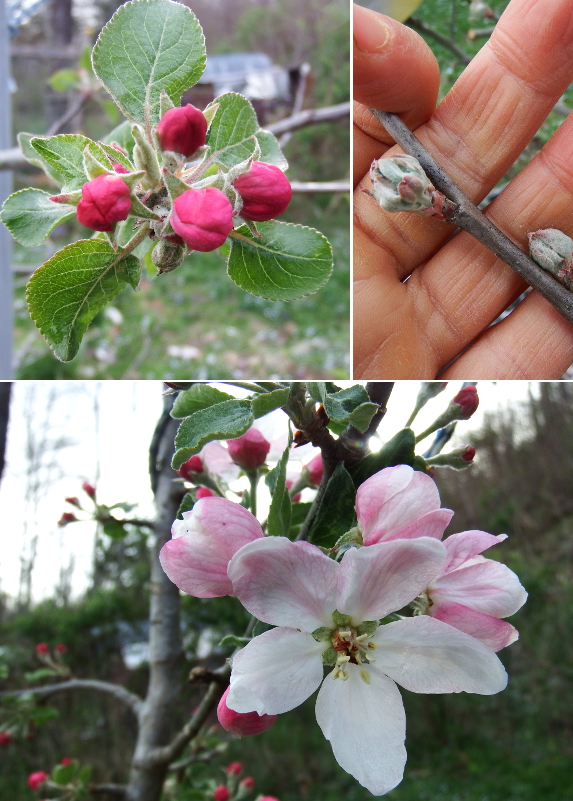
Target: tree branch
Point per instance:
(130, 699)
(309, 116)
(310, 187)
(110, 789)
(471, 219)
(421, 27)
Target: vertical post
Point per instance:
(5, 190)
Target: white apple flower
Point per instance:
(329, 612)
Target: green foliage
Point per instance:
(186, 505)
(199, 396)
(268, 401)
(226, 420)
(335, 515)
(31, 216)
(65, 155)
(279, 519)
(66, 293)
(147, 47)
(398, 450)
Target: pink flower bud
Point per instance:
(468, 454)
(35, 780)
(467, 399)
(250, 450)
(240, 723)
(60, 648)
(204, 492)
(5, 738)
(65, 760)
(315, 470)
(203, 218)
(183, 130)
(67, 517)
(290, 483)
(105, 201)
(248, 782)
(191, 466)
(267, 798)
(74, 501)
(89, 489)
(221, 793)
(234, 769)
(120, 168)
(265, 191)
(42, 648)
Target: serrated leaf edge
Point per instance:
(35, 189)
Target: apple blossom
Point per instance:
(472, 593)
(265, 191)
(249, 451)
(241, 724)
(203, 218)
(182, 129)
(190, 467)
(328, 612)
(35, 780)
(73, 501)
(397, 503)
(203, 542)
(105, 201)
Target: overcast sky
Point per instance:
(107, 427)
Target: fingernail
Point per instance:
(371, 34)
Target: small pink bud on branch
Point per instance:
(249, 451)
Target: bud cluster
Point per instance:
(400, 184)
(186, 208)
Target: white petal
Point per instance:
(466, 545)
(378, 579)
(275, 672)
(366, 726)
(427, 656)
(285, 583)
(484, 585)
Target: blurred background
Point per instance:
(456, 30)
(78, 586)
(287, 56)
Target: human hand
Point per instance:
(457, 287)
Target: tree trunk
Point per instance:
(159, 711)
(5, 388)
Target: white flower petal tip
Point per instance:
(427, 656)
(399, 502)
(494, 633)
(366, 726)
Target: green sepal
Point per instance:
(340, 619)
(165, 103)
(322, 634)
(352, 537)
(236, 642)
(329, 656)
(175, 186)
(367, 627)
(139, 210)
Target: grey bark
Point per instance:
(159, 710)
(5, 390)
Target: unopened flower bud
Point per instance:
(105, 201)
(5, 738)
(265, 191)
(458, 459)
(89, 489)
(249, 451)
(203, 218)
(67, 517)
(35, 780)
(248, 782)
(242, 723)
(42, 648)
(267, 798)
(190, 467)
(221, 793)
(315, 469)
(119, 168)
(167, 256)
(74, 501)
(468, 401)
(551, 249)
(400, 184)
(289, 485)
(60, 648)
(204, 492)
(65, 760)
(234, 769)
(183, 130)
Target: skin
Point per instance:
(456, 289)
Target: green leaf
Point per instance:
(278, 521)
(261, 627)
(43, 714)
(317, 390)
(361, 416)
(286, 262)
(64, 774)
(199, 396)
(236, 642)
(340, 405)
(398, 450)
(38, 675)
(65, 294)
(64, 80)
(114, 529)
(231, 133)
(85, 774)
(65, 153)
(267, 402)
(225, 420)
(123, 136)
(4, 670)
(116, 156)
(31, 216)
(24, 140)
(147, 46)
(186, 505)
(335, 515)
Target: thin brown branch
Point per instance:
(471, 219)
(312, 187)
(305, 71)
(130, 699)
(421, 27)
(308, 117)
(476, 33)
(68, 115)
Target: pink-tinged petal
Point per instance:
(494, 633)
(427, 656)
(395, 498)
(218, 462)
(285, 583)
(485, 585)
(432, 524)
(374, 581)
(466, 545)
(197, 557)
(275, 672)
(366, 726)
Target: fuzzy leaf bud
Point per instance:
(167, 256)
(552, 250)
(105, 201)
(203, 218)
(145, 158)
(459, 459)
(265, 191)
(249, 451)
(183, 130)
(400, 184)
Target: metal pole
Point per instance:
(6, 300)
